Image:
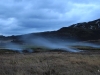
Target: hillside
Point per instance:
(93, 25)
(83, 31)
(80, 31)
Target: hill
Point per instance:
(80, 31)
(83, 31)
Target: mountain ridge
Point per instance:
(88, 25)
(84, 31)
(80, 31)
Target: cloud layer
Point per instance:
(27, 16)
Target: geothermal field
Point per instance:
(45, 57)
(49, 37)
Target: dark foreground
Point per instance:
(50, 63)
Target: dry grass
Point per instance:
(50, 63)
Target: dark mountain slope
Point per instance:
(80, 31)
(93, 25)
(83, 31)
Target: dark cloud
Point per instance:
(27, 16)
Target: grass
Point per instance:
(50, 63)
(35, 50)
(46, 62)
(7, 51)
(86, 48)
(44, 49)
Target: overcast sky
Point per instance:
(27, 16)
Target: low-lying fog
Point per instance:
(47, 43)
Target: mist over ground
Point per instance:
(31, 41)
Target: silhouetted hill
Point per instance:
(93, 25)
(83, 31)
(80, 31)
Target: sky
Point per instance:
(29, 16)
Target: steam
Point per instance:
(58, 43)
(87, 44)
(14, 47)
(43, 42)
(50, 43)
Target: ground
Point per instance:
(50, 63)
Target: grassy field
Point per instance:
(50, 63)
(44, 61)
(43, 49)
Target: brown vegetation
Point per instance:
(50, 63)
